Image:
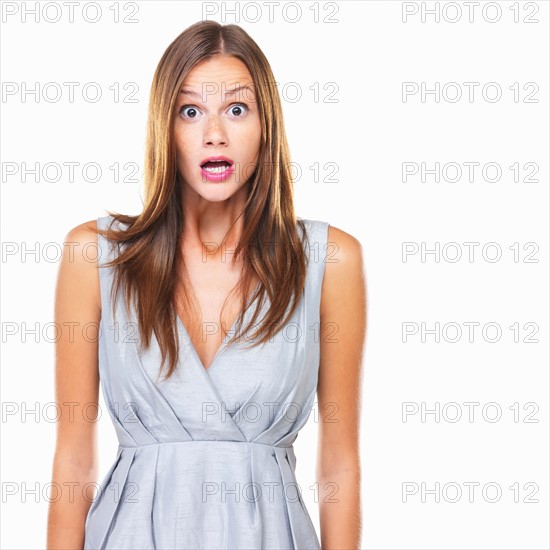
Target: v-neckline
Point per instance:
(223, 345)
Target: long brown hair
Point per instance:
(149, 261)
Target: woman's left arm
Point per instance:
(343, 330)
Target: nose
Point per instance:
(214, 131)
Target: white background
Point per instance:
(368, 52)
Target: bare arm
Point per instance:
(77, 304)
(343, 322)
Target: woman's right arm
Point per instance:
(77, 313)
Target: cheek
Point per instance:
(183, 148)
(252, 137)
(257, 138)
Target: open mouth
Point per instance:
(216, 166)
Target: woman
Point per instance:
(245, 309)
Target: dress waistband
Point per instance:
(193, 441)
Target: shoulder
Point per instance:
(347, 248)
(343, 252)
(80, 246)
(85, 232)
(78, 280)
(344, 278)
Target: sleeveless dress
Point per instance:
(206, 459)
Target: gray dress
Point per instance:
(205, 459)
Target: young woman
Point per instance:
(220, 315)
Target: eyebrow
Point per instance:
(227, 92)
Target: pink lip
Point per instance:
(221, 176)
(213, 159)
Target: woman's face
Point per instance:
(217, 116)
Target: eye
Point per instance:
(238, 107)
(192, 113)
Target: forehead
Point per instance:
(225, 71)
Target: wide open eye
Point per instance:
(241, 108)
(191, 113)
